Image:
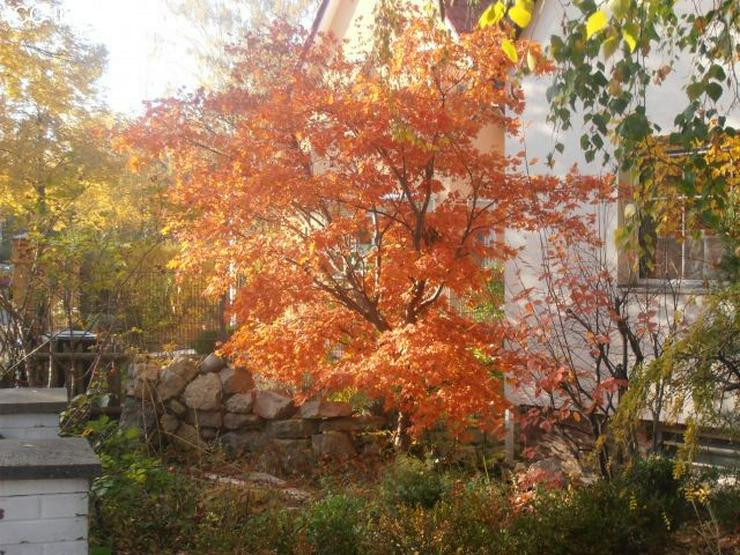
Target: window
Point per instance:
(687, 252)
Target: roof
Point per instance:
(463, 15)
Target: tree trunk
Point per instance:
(401, 438)
(602, 453)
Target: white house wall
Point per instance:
(539, 138)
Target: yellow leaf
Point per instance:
(531, 61)
(492, 15)
(521, 13)
(628, 33)
(629, 210)
(508, 47)
(595, 23)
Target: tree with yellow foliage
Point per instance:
(65, 194)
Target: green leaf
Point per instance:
(560, 147)
(492, 15)
(694, 90)
(715, 72)
(508, 47)
(521, 13)
(636, 126)
(595, 23)
(714, 91)
(556, 45)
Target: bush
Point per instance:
(142, 506)
(474, 515)
(273, 531)
(715, 497)
(633, 513)
(725, 505)
(138, 505)
(467, 519)
(412, 482)
(334, 525)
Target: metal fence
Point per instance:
(158, 312)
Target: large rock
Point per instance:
(240, 403)
(138, 414)
(273, 406)
(208, 434)
(236, 381)
(295, 428)
(187, 437)
(243, 441)
(373, 444)
(147, 368)
(185, 368)
(212, 363)
(177, 407)
(170, 385)
(204, 393)
(204, 418)
(170, 423)
(288, 456)
(146, 378)
(362, 423)
(325, 409)
(235, 421)
(333, 445)
(289, 445)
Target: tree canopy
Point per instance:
(350, 200)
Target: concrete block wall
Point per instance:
(43, 517)
(28, 413)
(29, 426)
(44, 481)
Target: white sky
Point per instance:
(148, 54)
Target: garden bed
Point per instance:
(170, 504)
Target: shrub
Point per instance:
(633, 513)
(412, 482)
(273, 531)
(474, 515)
(334, 525)
(725, 505)
(654, 484)
(715, 498)
(405, 530)
(142, 506)
(467, 519)
(138, 505)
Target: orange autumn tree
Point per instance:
(351, 200)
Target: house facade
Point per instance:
(670, 284)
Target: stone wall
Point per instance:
(199, 404)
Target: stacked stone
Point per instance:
(197, 404)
